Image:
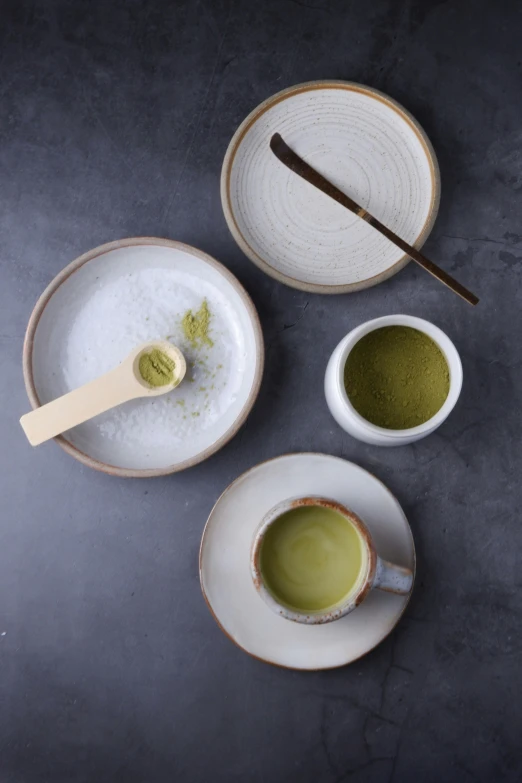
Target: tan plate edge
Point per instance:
(254, 115)
(62, 276)
(241, 478)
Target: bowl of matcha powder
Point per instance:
(393, 380)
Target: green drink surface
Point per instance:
(311, 558)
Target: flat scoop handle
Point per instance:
(79, 405)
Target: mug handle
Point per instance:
(392, 578)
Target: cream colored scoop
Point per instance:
(123, 383)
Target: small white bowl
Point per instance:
(352, 422)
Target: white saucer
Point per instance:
(224, 561)
(362, 141)
(125, 293)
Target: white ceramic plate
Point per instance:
(225, 550)
(124, 293)
(362, 141)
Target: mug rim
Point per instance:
(443, 342)
(346, 604)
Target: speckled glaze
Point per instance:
(118, 296)
(377, 572)
(363, 142)
(351, 421)
(226, 579)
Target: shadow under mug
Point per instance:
(377, 574)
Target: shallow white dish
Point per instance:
(127, 292)
(351, 421)
(225, 575)
(363, 142)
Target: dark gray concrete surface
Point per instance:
(114, 119)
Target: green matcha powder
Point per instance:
(196, 326)
(396, 377)
(156, 368)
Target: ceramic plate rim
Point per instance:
(61, 278)
(251, 119)
(229, 488)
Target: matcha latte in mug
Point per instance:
(313, 561)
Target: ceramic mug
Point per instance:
(376, 574)
(351, 421)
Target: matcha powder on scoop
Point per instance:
(156, 368)
(396, 377)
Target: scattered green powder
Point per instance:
(156, 368)
(396, 377)
(196, 326)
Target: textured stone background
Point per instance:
(114, 120)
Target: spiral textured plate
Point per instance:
(364, 143)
